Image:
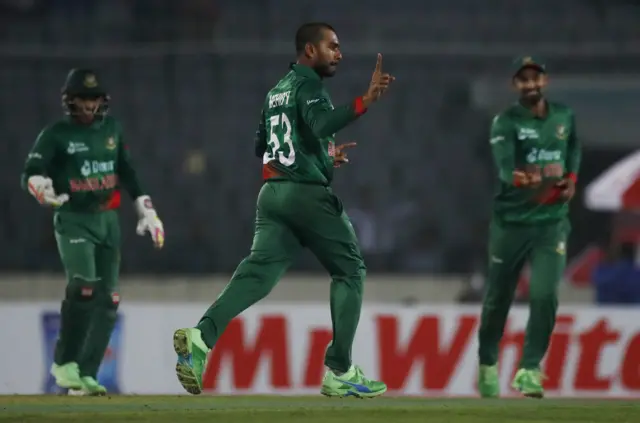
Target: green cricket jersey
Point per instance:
(296, 134)
(522, 141)
(88, 162)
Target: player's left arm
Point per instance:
(574, 152)
(572, 163)
(260, 141)
(318, 113)
(128, 179)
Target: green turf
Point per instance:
(256, 409)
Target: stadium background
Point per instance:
(188, 78)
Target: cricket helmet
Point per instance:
(84, 84)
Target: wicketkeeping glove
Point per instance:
(42, 190)
(149, 221)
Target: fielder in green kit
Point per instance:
(77, 166)
(537, 153)
(296, 208)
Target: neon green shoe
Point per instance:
(91, 387)
(351, 384)
(488, 382)
(67, 375)
(529, 383)
(192, 358)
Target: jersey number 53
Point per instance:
(280, 141)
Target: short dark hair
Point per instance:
(310, 33)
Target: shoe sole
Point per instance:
(359, 395)
(184, 371)
(536, 395)
(83, 392)
(94, 394)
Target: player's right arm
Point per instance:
(318, 113)
(503, 149)
(323, 119)
(35, 177)
(260, 141)
(40, 157)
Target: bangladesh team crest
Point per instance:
(90, 81)
(561, 132)
(111, 143)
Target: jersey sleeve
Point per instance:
(260, 141)
(574, 152)
(40, 157)
(317, 112)
(502, 141)
(127, 175)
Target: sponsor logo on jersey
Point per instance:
(542, 155)
(98, 176)
(76, 147)
(96, 183)
(528, 134)
(90, 167)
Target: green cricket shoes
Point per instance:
(67, 375)
(192, 358)
(529, 383)
(488, 381)
(351, 384)
(91, 387)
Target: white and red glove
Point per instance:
(42, 190)
(149, 221)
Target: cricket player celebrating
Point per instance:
(77, 166)
(296, 208)
(536, 151)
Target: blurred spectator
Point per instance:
(617, 278)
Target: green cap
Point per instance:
(527, 62)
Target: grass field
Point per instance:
(256, 409)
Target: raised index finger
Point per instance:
(347, 145)
(379, 63)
